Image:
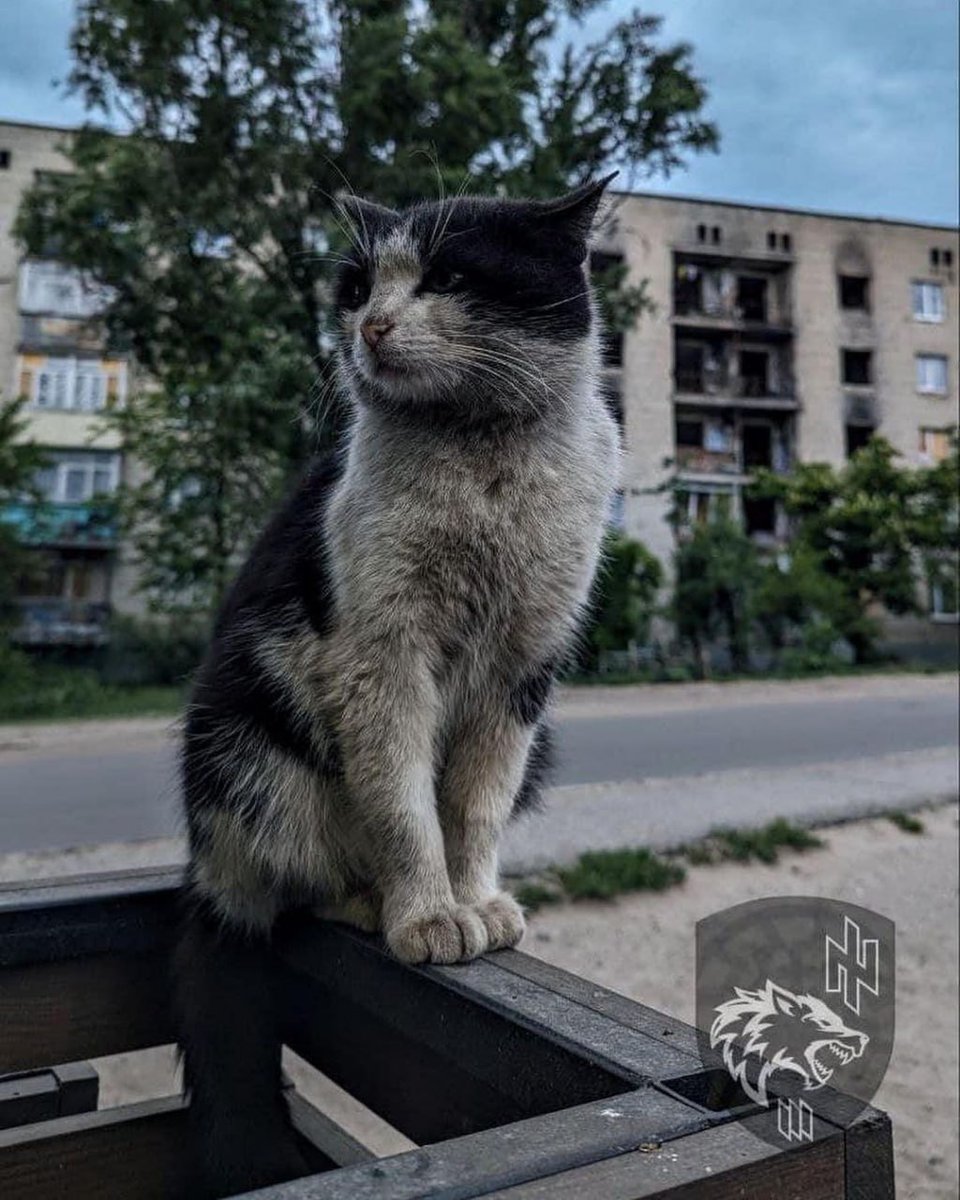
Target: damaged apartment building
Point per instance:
(778, 337)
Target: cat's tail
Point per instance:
(228, 1025)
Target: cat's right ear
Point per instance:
(366, 218)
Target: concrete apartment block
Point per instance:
(779, 336)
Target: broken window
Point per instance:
(759, 515)
(701, 233)
(855, 292)
(857, 437)
(689, 433)
(716, 235)
(752, 298)
(689, 367)
(688, 289)
(786, 242)
(856, 366)
(757, 447)
(754, 373)
(771, 240)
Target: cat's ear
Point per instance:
(574, 213)
(365, 216)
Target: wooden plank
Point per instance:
(26, 1098)
(630, 1013)
(54, 1012)
(724, 1163)
(369, 1022)
(498, 1158)
(79, 1088)
(136, 1152)
(869, 1147)
(324, 1134)
(31, 1096)
(130, 1153)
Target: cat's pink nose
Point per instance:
(372, 332)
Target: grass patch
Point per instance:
(603, 874)
(69, 704)
(752, 845)
(907, 822)
(600, 874)
(533, 895)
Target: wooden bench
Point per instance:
(515, 1080)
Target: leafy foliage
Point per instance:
(863, 526)
(716, 574)
(212, 220)
(624, 597)
(20, 459)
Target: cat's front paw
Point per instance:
(503, 919)
(451, 935)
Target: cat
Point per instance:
(371, 710)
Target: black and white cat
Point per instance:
(371, 709)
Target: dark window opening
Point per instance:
(857, 437)
(752, 298)
(771, 240)
(688, 290)
(934, 258)
(4, 159)
(701, 233)
(856, 366)
(690, 433)
(759, 515)
(855, 292)
(754, 373)
(786, 242)
(689, 367)
(716, 235)
(948, 258)
(757, 441)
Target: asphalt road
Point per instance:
(115, 791)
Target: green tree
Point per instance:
(624, 597)
(865, 525)
(20, 459)
(716, 573)
(212, 220)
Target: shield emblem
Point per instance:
(795, 1011)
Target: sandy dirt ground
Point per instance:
(643, 946)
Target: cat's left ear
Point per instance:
(574, 213)
(366, 216)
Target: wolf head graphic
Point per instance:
(773, 1029)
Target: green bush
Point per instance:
(157, 652)
(623, 600)
(716, 573)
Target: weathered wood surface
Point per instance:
(519, 1081)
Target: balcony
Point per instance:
(80, 526)
(718, 390)
(57, 622)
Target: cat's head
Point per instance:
(468, 310)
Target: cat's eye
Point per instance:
(354, 290)
(441, 279)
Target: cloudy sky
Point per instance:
(843, 105)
